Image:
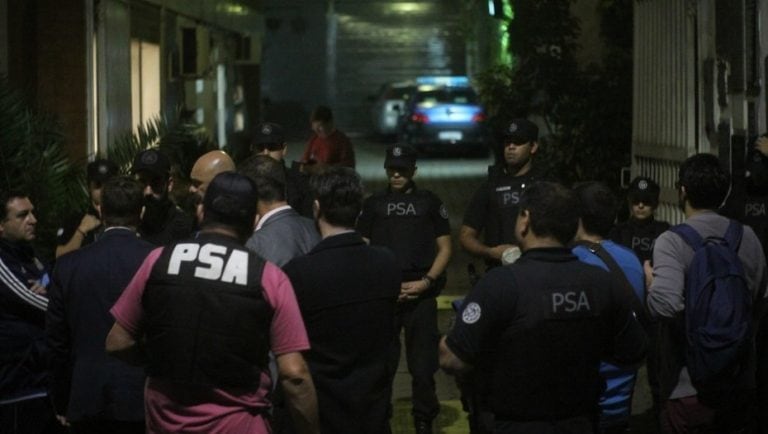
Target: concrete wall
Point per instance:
(339, 53)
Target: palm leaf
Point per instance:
(33, 160)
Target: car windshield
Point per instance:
(446, 96)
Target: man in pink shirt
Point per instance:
(328, 146)
(203, 315)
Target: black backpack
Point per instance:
(718, 308)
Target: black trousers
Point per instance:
(32, 416)
(107, 426)
(576, 425)
(419, 319)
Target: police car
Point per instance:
(388, 105)
(444, 115)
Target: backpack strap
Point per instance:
(637, 304)
(733, 235)
(689, 235)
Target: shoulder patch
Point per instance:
(471, 314)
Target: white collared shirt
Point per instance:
(266, 216)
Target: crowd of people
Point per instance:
(279, 305)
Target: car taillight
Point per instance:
(420, 118)
(478, 117)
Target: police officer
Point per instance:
(542, 325)
(493, 207)
(756, 188)
(641, 229)
(414, 224)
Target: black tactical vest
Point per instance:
(556, 322)
(207, 321)
(504, 193)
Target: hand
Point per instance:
(496, 252)
(37, 287)
(648, 271)
(89, 223)
(412, 289)
(62, 420)
(761, 144)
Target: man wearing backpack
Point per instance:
(708, 389)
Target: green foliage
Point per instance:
(586, 109)
(182, 140)
(32, 160)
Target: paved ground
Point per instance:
(454, 180)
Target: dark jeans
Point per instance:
(419, 319)
(32, 416)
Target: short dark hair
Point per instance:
(597, 207)
(322, 113)
(339, 193)
(7, 196)
(705, 180)
(121, 201)
(552, 209)
(269, 176)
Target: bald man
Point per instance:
(206, 168)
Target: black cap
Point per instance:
(232, 197)
(400, 156)
(100, 170)
(644, 189)
(269, 133)
(153, 161)
(521, 131)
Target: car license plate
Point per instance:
(450, 135)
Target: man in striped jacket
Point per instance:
(24, 406)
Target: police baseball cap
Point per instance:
(400, 157)
(232, 198)
(152, 161)
(520, 131)
(643, 189)
(269, 133)
(100, 170)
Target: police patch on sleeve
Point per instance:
(471, 313)
(443, 212)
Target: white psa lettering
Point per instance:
(182, 253)
(236, 270)
(510, 197)
(400, 208)
(754, 209)
(232, 269)
(215, 263)
(645, 243)
(570, 302)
